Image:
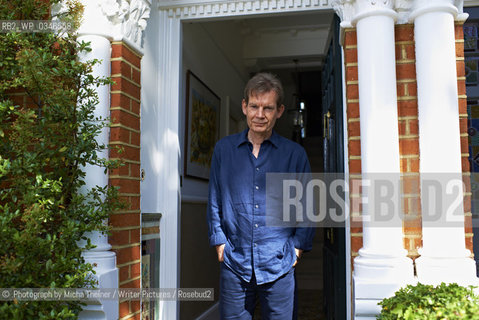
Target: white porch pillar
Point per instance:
(169, 75)
(382, 266)
(444, 256)
(101, 256)
(103, 22)
(105, 260)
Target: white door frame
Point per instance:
(161, 188)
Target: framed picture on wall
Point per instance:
(202, 127)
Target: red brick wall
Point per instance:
(354, 134)
(408, 133)
(461, 86)
(125, 145)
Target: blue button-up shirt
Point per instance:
(236, 206)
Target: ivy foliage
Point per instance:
(426, 302)
(47, 138)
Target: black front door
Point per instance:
(333, 155)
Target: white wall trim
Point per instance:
(187, 9)
(169, 70)
(347, 233)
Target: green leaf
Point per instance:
(446, 301)
(44, 151)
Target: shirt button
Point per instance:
(256, 225)
(257, 168)
(255, 244)
(257, 188)
(256, 206)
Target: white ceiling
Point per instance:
(273, 42)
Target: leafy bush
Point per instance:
(446, 301)
(45, 143)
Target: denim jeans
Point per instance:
(238, 297)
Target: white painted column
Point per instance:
(160, 152)
(382, 266)
(105, 260)
(169, 68)
(104, 21)
(444, 256)
(379, 117)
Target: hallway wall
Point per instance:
(206, 59)
(198, 265)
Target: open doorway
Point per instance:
(223, 54)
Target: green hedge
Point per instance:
(44, 209)
(445, 301)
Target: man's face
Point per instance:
(261, 112)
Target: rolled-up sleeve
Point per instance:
(303, 238)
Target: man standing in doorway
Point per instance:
(256, 260)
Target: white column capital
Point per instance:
(403, 11)
(345, 10)
(368, 8)
(455, 7)
(117, 20)
(351, 11)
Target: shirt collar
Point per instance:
(243, 138)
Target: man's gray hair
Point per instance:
(262, 83)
